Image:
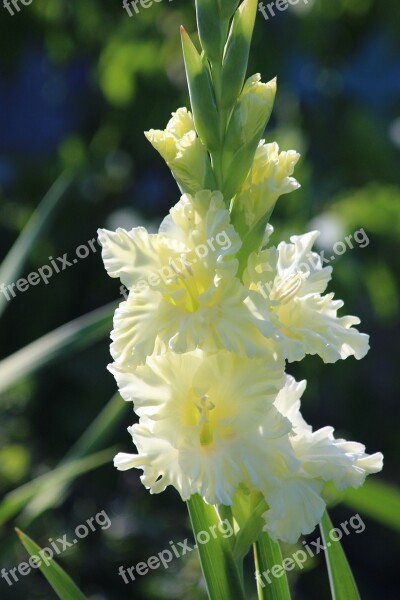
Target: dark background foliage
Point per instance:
(79, 83)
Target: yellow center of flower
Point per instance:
(206, 432)
(187, 280)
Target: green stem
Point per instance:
(272, 582)
(221, 573)
(218, 156)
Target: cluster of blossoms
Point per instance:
(202, 353)
(202, 357)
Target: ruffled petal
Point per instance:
(313, 320)
(296, 507)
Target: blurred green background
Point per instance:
(79, 83)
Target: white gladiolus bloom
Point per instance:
(291, 279)
(207, 423)
(295, 504)
(183, 289)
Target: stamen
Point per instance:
(288, 287)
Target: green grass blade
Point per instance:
(219, 568)
(16, 500)
(61, 583)
(67, 339)
(93, 438)
(343, 586)
(267, 555)
(15, 260)
(377, 500)
(100, 430)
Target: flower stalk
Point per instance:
(215, 312)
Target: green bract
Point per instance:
(237, 52)
(202, 98)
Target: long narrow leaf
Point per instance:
(377, 500)
(249, 531)
(61, 583)
(343, 586)
(270, 585)
(16, 500)
(69, 338)
(220, 571)
(93, 438)
(15, 260)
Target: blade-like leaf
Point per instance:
(16, 500)
(15, 260)
(378, 500)
(219, 568)
(92, 439)
(267, 554)
(61, 583)
(343, 586)
(250, 531)
(69, 338)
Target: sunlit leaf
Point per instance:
(377, 500)
(61, 583)
(268, 555)
(16, 500)
(69, 338)
(220, 571)
(343, 586)
(15, 260)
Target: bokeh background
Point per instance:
(79, 83)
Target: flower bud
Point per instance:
(270, 177)
(252, 112)
(247, 125)
(184, 153)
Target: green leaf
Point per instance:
(212, 29)
(237, 50)
(69, 338)
(248, 508)
(93, 438)
(237, 167)
(61, 583)
(343, 586)
(227, 8)
(202, 97)
(378, 500)
(16, 500)
(221, 574)
(252, 241)
(15, 260)
(267, 555)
